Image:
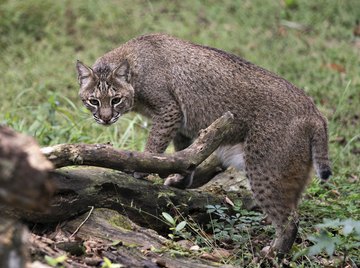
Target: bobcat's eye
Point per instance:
(94, 102)
(115, 101)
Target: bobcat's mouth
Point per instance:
(114, 119)
(108, 122)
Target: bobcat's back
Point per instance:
(206, 82)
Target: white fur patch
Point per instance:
(232, 155)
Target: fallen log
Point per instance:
(24, 171)
(25, 185)
(106, 233)
(142, 201)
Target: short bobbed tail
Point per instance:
(320, 150)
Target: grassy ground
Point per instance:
(310, 43)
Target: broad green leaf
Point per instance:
(51, 261)
(323, 242)
(180, 226)
(107, 262)
(169, 218)
(350, 225)
(329, 223)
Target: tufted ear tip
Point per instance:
(81, 67)
(78, 63)
(84, 73)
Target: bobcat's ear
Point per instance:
(122, 72)
(85, 73)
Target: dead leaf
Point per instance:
(356, 29)
(228, 201)
(281, 31)
(93, 261)
(210, 257)
(195, 248)
(160, 262)
(221, 253)
(336, 67)
(353, 178)
(355, 151)
(340, 140)
(335, 192)
(187, 244)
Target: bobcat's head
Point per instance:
(106, 91)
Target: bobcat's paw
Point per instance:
(179, 181)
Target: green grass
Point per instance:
(41, 40)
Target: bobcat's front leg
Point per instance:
(165, 123)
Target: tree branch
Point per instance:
(104, 155)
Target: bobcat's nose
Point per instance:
(106, 116)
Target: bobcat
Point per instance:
(278, 133)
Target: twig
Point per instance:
(82, 223)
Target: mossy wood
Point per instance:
(120, 240)
(140, 200)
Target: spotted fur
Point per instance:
(277, 136)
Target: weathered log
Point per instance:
(141, 201)
(104, 155)
(106, 233)
(25, 185)
(24, 171)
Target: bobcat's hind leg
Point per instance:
(278, 193)
(280, 210)
(286, 235)
(278, 165)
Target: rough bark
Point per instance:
(141, 201)
(24, 184)
(104, 155)
(120, 240)
(128, 198)
(24, 171)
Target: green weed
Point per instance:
(232, 229)
(56, 262)
(176, 228)
(108, 264)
